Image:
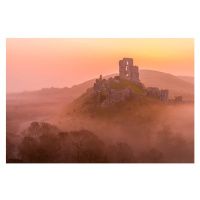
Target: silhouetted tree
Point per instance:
(28, 148)
(151, 156)
(120, 153)
(34, 128)
(87, 147)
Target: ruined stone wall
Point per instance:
(128, 71)
(179, 98)
(115, 96)
(98, 88)
(164, 95)
(159, 94)
(153, 91)
(112, 96)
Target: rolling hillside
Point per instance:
(189, 79)
(150, 78)
(177, 86)
(162, 80)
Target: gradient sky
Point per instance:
(33, 64)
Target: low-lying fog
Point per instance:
(148, 133)
(168, 129)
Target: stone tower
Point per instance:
(128, 71)
(164, 95)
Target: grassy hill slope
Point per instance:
(150, 78)
(189, 79)
(162, 80)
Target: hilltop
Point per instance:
(189, 79)
(86, 112)
(150, 78)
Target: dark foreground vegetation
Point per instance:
(44, 143)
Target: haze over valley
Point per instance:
(156, 127)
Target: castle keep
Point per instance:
(128, 71)
(125, 86)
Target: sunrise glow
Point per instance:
(37, 63)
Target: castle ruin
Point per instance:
(109, 92)
(176, 99)
(128, 71)
(164, 95)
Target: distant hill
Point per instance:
(176, 85)
(30, 104)
(189, 79)
(150, 78)
(43, 92)
(45, 95)
(162, 80)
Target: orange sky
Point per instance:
(33, 64)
